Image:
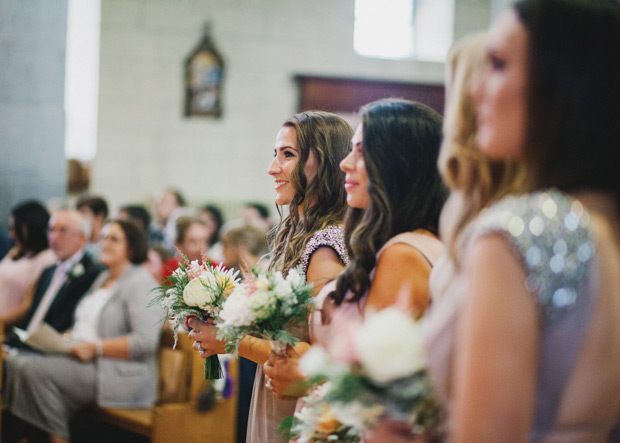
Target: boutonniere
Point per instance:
(77, 270)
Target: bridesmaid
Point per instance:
(534, 346)
(395, 195)
(308, 149)
(475, 183)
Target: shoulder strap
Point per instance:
(430, 247)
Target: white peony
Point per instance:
(316, 361)
(263, 303)
(294, 278)
(236, 309)
(195, 294)
(389, 345)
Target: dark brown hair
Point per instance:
(573, 132)
(30, 221)
(400, 146)
(136, 240)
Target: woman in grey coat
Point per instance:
(115, 336)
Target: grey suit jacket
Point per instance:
(132, 382)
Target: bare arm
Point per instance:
(400, 268)
(495, 367)
(325, 265)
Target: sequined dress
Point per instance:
(266, 410)
(549, 233)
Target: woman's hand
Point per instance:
(283, 377)
(204, 335)
(84, 351)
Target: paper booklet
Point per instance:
(44, 338)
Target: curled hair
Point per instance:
(30, 221)
(400, 145)
(572, 131)
(479, 180)
(323, 199)
(218, 218)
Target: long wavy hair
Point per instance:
(464, 168)
(323, 199)
(400, 146)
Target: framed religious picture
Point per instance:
(204, 69)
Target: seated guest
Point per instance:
(192, 240)
(96, 209)
(170, 205)
(212, 216)
(23, 264)
(62, 285)
(139, 215)
(115, 338)
(156, 257)
(243, 247)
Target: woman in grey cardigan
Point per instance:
(116, 336)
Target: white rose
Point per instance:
(389, 345)
(236, 309)
(294, 278)
(195, 294)
(318, 362)
(263, 303)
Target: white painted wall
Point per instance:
(144, 143)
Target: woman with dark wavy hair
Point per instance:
(305, 168)
(395, 195)
(23, 264)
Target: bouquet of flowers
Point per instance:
(374, 370)
(263, 306)
(317, 422)
(197, 289)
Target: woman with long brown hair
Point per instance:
(307, 152)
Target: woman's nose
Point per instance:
(345, 164)
(274, 167)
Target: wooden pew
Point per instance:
(1, 374)
(175, 417)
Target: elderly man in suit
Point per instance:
(62, 285)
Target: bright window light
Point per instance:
(404, 29)
(82, 79)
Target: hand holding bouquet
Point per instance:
(375, 370)
(263, 307)
(197, 289)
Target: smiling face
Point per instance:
(501, 93)
(356, 179)
(114, 249)
(286, 157)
